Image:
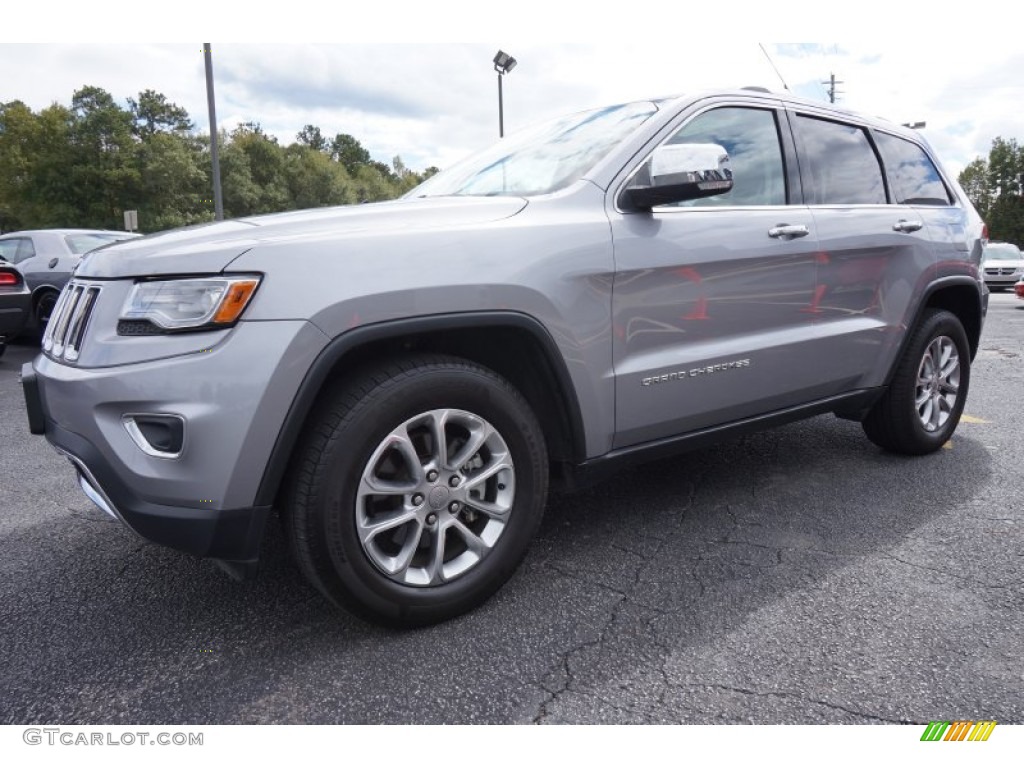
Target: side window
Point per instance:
(17, 249)
(751, 137)
(25, 249)
(914, 178)
(837, 164)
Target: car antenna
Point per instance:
(773, 65)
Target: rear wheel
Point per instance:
(923, 404)
(417, 490)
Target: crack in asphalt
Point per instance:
(565, 664)
(800, 697)
(129, 557)
(779, 549)
(951, 574)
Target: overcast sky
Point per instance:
(434, 102)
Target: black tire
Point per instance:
(45, 304)
(3, 347)
(895, 422)
(326, 498)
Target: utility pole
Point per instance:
(832, 83)
(218, 199)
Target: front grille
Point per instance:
(1000, 271)
(66, 329)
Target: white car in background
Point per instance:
(1002, 265)
(46, 257)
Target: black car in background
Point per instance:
(15, 303)
(45, 258)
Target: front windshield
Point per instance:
(1002, 253)
(543, 159)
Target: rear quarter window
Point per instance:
(914, 177)
(17, 249)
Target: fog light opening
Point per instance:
(161, 435)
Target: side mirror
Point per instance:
(678, 172)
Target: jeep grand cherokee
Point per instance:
(401, 380)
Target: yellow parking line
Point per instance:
(973, 419)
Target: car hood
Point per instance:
(209, 248)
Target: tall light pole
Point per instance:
(218, 198)
(503, 64)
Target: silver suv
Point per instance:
(401, 381)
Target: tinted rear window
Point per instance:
(838, 164)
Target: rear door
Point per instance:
(877, 255)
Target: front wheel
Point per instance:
(417, 490)
(45, 305)
(923, 404)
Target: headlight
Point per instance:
(190, 304)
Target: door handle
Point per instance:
(789, 230)
(907, 226)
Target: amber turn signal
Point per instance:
(235, 300)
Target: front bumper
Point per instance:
(1002, 281)
(232, 399)
(224, 534)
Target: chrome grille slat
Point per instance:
(54, 317)
(65, 319)
(77, 328)
(70, 318)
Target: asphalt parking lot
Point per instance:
(796, 576)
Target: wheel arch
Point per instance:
(959, 295)
(42, 288)
(514, 345)
(38, 294)
(962, 298)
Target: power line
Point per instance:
(773, 66)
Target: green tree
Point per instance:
(310, 136)
(974, 180)
(175, 187)
(104, 171)
(18, 132)
(152, 113)
(82, 165)
(995, 187)
(314, 180)
(349, 152)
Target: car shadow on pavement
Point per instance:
(630, 588)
